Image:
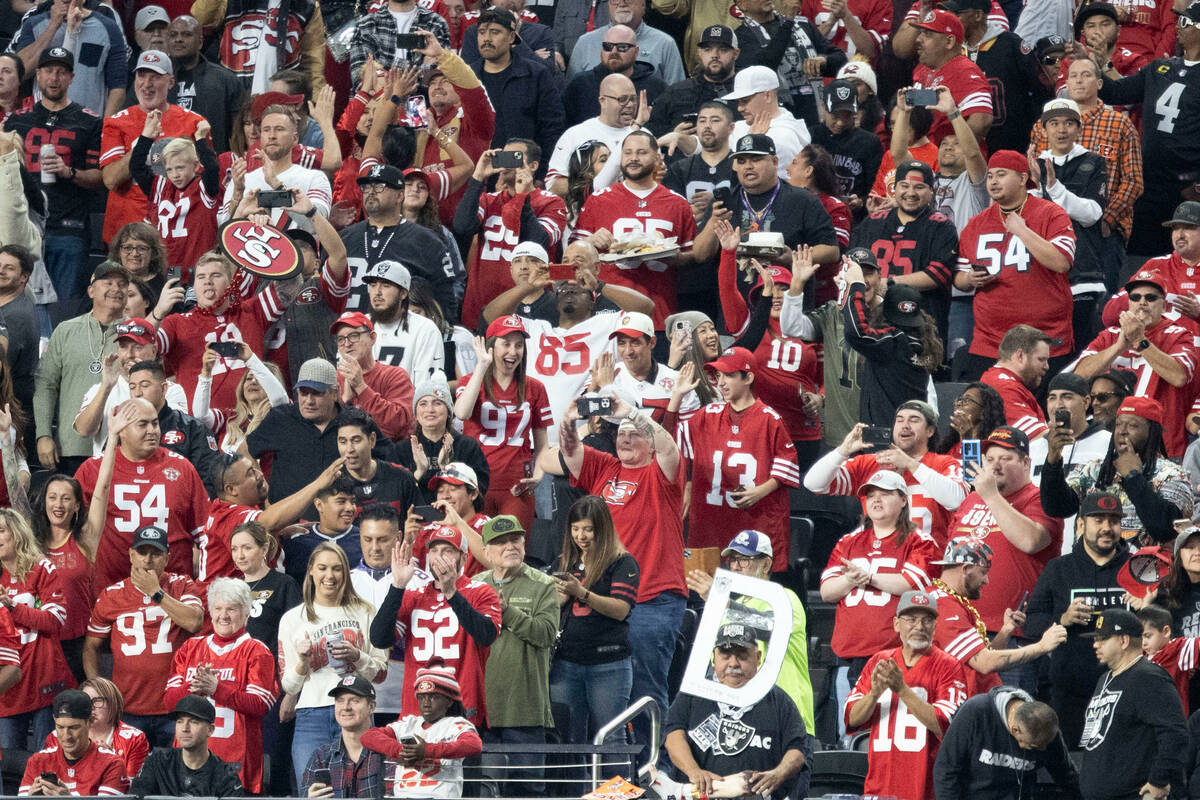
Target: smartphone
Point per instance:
(877, 434)
(227, 349)
(592, 406)
(562, 272)
(276, 198)
(562, 576)
(722, 195)
(409, 41)
(971, 454)
(50, 776)
(408, 740)
(174, 273)
(416, 109)
(1024, 601)
(527, 469)
(691, 118)
(1062, 417)
(685, 326)
(428, 513)
(508, 159)
(323, 776)
(921, 97)
(978, 267)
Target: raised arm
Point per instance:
(464, 404)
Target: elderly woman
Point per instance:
(236, 672)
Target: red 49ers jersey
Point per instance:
(432, 630)
(488, 273)
(902, 750)
(731, 450)
(504, 429)
(662, 213)
(967, 84)
(126, 741)
(38, 614)
(957, 635)
(1024, 291)
(100, 773)
(10, 642)
(1178, 658)
(186, 220)
(863, 619)
(216, 561)
(245, 693)
(165, 491)
(254, 32)
(143, 638)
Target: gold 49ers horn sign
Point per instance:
(260, 249)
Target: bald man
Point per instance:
(202, 86)
(150, 485)
(619, 56)
(618, 99)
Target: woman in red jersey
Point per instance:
(105, 727)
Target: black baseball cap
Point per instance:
(1007, 436)
(902, 306)
(1048, 44)
(151, 535)
(501, 16)
(841, 95)
(912, 165)
(1069, 382)
(107, 268)
(196, 707)
(719, 34)
(72, 703)
(353, 684)
(735, 634)
(1094, 9)
(1115, 622)
(1100, 504)
(1186, 213)
(57, 55)
(754, 144)
(385, 174)
(863, 257)
(1192, 11)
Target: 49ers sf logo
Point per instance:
(617, 492)
(264, 251)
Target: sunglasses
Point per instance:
(131, 330)
(1053, 59)
(1106, 397)
(1139, 297)
(1188, 22)
(620, 47)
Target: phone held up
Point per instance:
(971, 454)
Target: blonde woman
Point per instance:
(260, 389)
(321, 641)
(105, 727)
(32, 591)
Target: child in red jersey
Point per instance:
(1176, 655)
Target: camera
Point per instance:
(508, 159)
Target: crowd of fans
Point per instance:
(588, 297)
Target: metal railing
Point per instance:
(643, 704)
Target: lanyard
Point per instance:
(757, 216)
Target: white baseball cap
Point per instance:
(155, 61)
(753, 80)
(634, 323)
(390, 271)
(150, 15)
(530, 249)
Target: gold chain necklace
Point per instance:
(979, 626)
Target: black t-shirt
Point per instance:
(1017, 93)
(272, 595)
(465, 449)
(298, 548)
(589, 637)
(856, 157)
(390, 484)
(545, 307)
(796, 213)
(75, 133)
(164, 773)
(726, 740)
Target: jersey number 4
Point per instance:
(1167, 107)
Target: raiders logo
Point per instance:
(263, 251)
(172, 438)
(617, 492)
(308, 297)
(842, 92)
(1098, 719)
(746, 143)
(171, 474)
(732, 737)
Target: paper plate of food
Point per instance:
(641, 247)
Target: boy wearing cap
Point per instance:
(907, 695)
(381, 390)
(403, 338)
(1134, 733)
(189, 767)
(1159, 350)
(77, 765)
(1175, 654)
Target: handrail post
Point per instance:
(645, 704)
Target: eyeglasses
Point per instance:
(745, 561)
(1188, 22)
(99, 702)
(623, 101)
(134, 248)
(1139, 297)
(963, 400)
(1107, 397)
(923, 620)
(620, 47)
(349, 338)
(1052, 59)
(374, 188)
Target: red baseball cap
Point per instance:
(1145, 407)
(1150, 276)
(1144, 570)
(266, 99)
(734, 359)
(137, 330)
(355, 319)
(437, 532)
(943, 22)
(416, 172)
(506, 325)
(1008, 159)
(780, 275)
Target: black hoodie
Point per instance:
(979, 759)
(582, 98)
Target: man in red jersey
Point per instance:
(233, 671)
(452, 618)
(241, 492)
(1160, 351)
(645, 498)
(145, 618)
(741, 461)
(1021, 364)
(935, 482)
(1016, 255)
(1180, 270)
(76, 765)
(942, 63)
(905, 694)
(639, 205)
(1005, 512)
(960, 630)
(220, 315)
(152, 81)
(151, 485)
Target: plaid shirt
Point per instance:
(376, 34)
(364, 779)
(1109, 133)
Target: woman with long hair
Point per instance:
(585, 164)
(106, 729)
(597, 584)
(323, 640)
(32, 591)
(978, 411)
(1179, 592)
(508, 413)
(457, 340)
(260, 389)
(694, 341)
(14, 469)
(871, 567)
(420, 206)
(812, 169)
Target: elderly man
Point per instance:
(619, 57)
(750, 553)
(969, 762)
(907, 695)
(646, 501)
(619, 114)
(655, 47)
(519, 713)
(77, 765)
(189, 766)
(1134, 732)
(205, 87)
(771, 741)
(382, 390)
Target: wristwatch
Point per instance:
(1142, 345)
(312, 212)
(157, 596)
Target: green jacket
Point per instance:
(793, 673)
(64, 375)
(518, 665)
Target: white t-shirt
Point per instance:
(562, 358)
(312, 182)
(419, 350)
(789, 134)
(176, 398)
(654, 393)
(588, 130)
